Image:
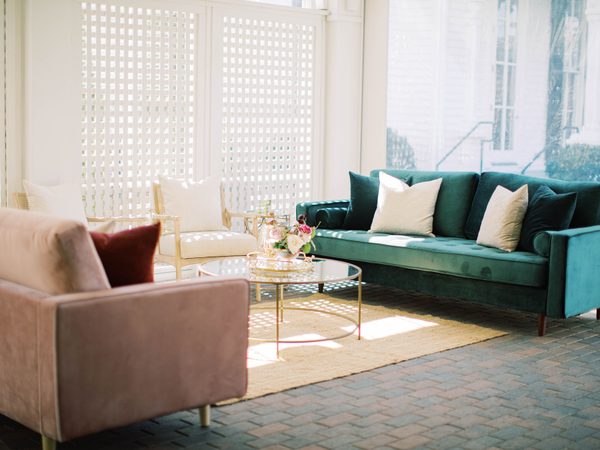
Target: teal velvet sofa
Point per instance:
(560, 280)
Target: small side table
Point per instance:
(252, 226)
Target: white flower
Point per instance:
(305, 237)
(294, 243)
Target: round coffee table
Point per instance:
(324, 271)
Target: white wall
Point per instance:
(52, 92)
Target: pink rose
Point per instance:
(276, 234)
(305, 229)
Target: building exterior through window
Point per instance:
(512, 81)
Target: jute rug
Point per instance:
(389, 336)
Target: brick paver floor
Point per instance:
(514, 392)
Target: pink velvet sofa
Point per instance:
(77, 357)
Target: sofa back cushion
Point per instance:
(586, 210)
(47, 253)
(454, 198)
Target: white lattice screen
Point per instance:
(138, 104)
(268, 110)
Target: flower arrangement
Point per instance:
(293, 239)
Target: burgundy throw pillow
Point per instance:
(128, 256)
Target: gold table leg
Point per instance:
(359, 302)
(277, 301)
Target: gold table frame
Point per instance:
(280, 282)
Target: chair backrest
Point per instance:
(159, 202)
(20, 200)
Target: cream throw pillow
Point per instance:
(197, 203)
(503, 219)
(402, 209)
(63, 201)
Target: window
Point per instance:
(269, 81)
(138, 104)
(499, 85)
(506, 70)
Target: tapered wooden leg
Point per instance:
(541, 324)
(48, 443)
(257, 288)
(205, 415)
(598, 314)
(321, 287)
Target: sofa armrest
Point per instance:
(574, 268)
(112, 358)
(311, 208)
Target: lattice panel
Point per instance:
(268, 96)
(138, 104)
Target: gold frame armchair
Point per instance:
(171, 225)
(21, 202)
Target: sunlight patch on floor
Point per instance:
(390, 326)
(263, 354)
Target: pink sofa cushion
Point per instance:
(47, 253)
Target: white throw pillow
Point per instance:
(197, 203)
(63, 201)
(503, 219)
(402, 209)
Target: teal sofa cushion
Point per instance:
(586, 211)
(454, 199)
(450, 256)
(331, 217)
(547, 211)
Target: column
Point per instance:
(342, 97)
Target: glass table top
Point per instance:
(324, 271)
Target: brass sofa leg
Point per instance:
(205, 415)
(541, 324)
(48, 443)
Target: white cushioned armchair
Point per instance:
(180, 249)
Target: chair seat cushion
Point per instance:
(449, 256)
(205, 244)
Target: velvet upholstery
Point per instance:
(586, 211)
(48, 253)
(547, 211)
(560, 281)
(450, 256)
(310, 209)
(81, 363)
(19, 388)
(331, 218)
(503, 295)
(78, 363)
(574, 284)
(454, 199)
(128, 256)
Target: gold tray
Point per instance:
(266, 266)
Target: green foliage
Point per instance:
(399, 154)
(578, 162)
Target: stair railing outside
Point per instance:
(437, 166)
